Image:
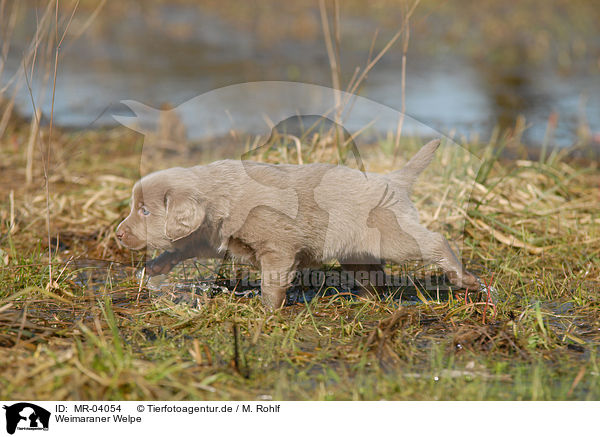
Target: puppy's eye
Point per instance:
(144, 210)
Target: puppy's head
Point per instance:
(165, 207)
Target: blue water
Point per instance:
(145, 62)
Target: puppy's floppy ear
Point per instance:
(184, 215)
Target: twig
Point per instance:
(141, 284)
(298, 144)
(333, 61)
(11, 198)
(49, 148)
(405, 40)
(237, 357)
(333, 56)
(33, 135)
(22, 324)
(87, 23)
(576, 381)
(384, 50)
(489, 297)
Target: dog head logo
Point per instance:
(26, 416)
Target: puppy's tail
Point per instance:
(408, 174)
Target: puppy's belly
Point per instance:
(346, 239)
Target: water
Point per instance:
(192, 284)
(174, 53)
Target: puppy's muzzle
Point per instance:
(127, 239)
(122, 232)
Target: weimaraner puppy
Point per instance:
(282, 218)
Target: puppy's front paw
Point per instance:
(471, 282)
(464, 280)
(162, 264)
(154, 268)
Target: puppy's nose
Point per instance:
(120, 234)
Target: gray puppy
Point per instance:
(282, 218)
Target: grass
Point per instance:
(95, 333)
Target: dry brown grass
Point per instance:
(95, 334)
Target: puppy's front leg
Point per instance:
(368, 276)
(277, 274)
(164, 263)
